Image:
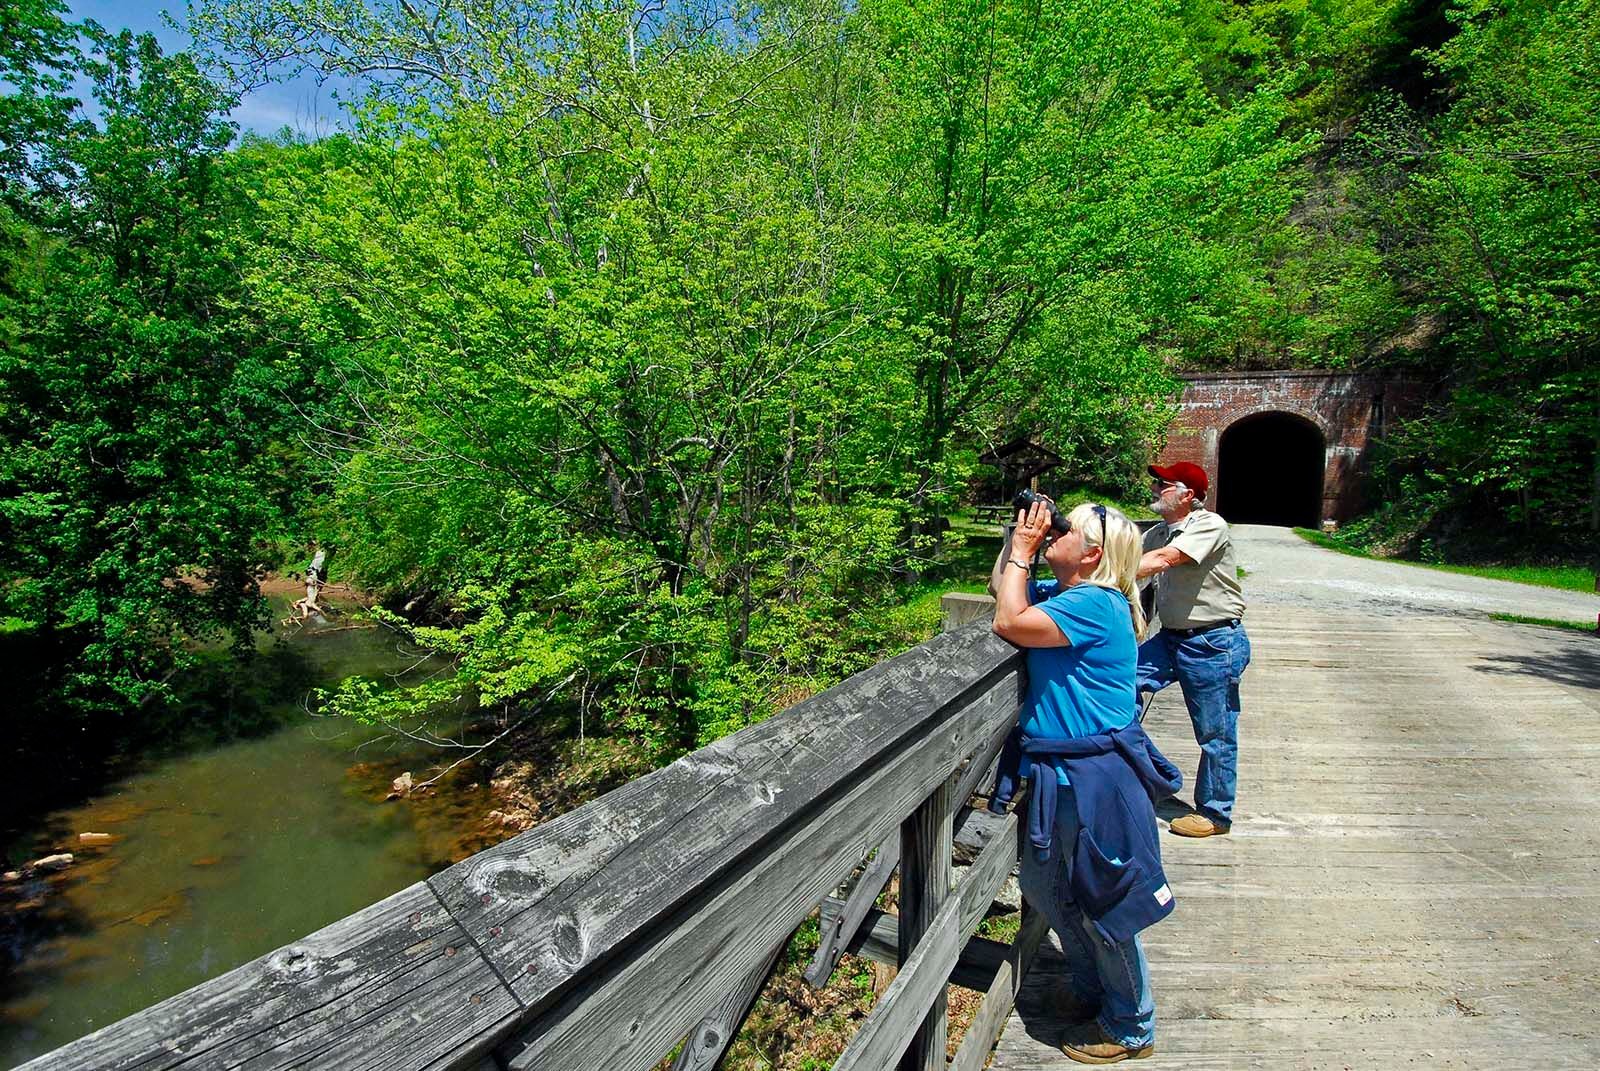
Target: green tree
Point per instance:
(594, 314)
(1064, 206)
(38, 55)
(1492, 205)
(135, 397)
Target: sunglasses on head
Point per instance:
(1099, 511)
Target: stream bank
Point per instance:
(223, 852)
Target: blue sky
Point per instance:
(300, 104)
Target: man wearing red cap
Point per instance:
(1202, 643)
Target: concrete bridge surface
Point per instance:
(1413, 879)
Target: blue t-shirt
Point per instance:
(1085, 688)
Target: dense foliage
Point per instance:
(1493, 212)
(647, 348)
(137, 408)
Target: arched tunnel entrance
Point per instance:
(1269, 471)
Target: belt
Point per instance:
(1196, 630)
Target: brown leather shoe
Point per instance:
(1090, 1045)
(1197, 825)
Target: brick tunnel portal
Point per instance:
(1270, 469)
(1288, 433)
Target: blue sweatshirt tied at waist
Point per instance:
(1116, 778)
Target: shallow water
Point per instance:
(217, 858)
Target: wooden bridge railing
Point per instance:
(599, 941)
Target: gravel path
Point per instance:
(1285, 570)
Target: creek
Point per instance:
(219, 856)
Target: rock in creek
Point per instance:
(400, 787)
(50, 862)
(509, 821)
(96, 838)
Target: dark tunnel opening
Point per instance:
(1269, 471)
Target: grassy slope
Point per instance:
(1548, 622)
(1565, 577)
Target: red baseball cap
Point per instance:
(1187, 473)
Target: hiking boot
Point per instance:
(1091, 1046)
(1197, 825)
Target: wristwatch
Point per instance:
(1020, 564)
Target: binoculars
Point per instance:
(1026, 498)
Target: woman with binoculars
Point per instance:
(1094, 867)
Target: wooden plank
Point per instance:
(839, 931)
(404, 985)
(708, 1042)
(979, 773)
(1001, 996)
(395, 986)
(888, 1031)
(1305, 892)
(925, 861)
(628, 1010)
(1300, 1015)
(878, 939)
(1413, 825)
(1526, 973)
(975, 827)
(983, 879)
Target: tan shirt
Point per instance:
(1207, 591)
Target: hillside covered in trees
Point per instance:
(642, 349)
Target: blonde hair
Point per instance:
(1120, 550)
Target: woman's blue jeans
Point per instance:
(1208, 666)
(1113, 977)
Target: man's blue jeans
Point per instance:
(1113, 977)
(1208, 667)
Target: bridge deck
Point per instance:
(1413, 876)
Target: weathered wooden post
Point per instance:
(961, 608)
(925, 848)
